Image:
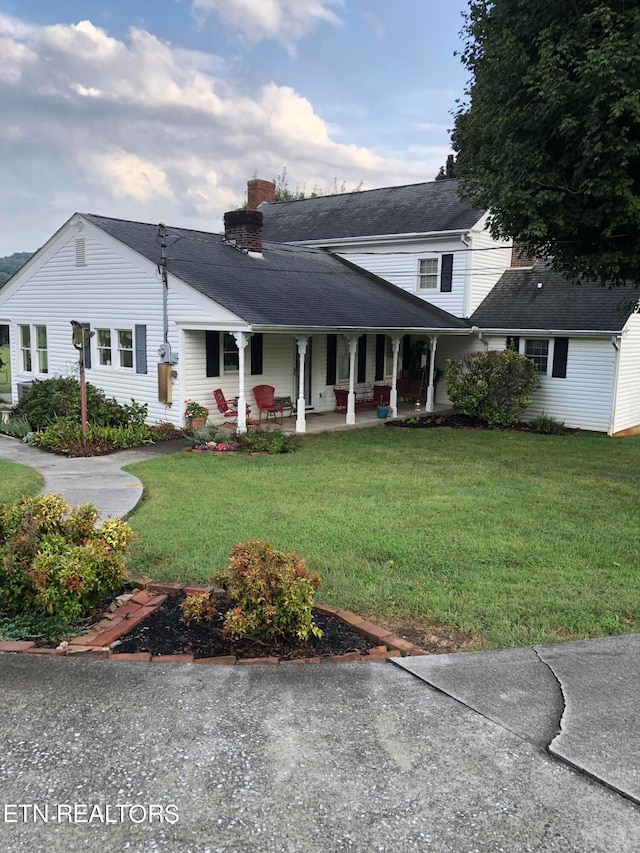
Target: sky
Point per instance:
(161, 111)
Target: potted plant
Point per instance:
(196, 414)
(382, 409)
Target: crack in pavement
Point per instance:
(563, 698)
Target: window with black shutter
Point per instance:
(256, 354)
(332, 358)
(212, 345)
(362, 358)
(381, 346)
(446, 274)
(560, 352)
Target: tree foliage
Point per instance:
(549, 139)
(10, 264)
(493, 386)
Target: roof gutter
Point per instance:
(581, 333)
(379, 238)
(383, 330)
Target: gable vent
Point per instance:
(81, 251)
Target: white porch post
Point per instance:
(301, 423)
(393, 397)
(351, 399)
(432, 367)
(242, 339)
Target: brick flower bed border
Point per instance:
(150, 595)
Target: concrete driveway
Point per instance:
(345, 757)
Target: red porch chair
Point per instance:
(227, 410)
(266, 403)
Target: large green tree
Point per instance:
(549, 136)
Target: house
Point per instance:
(175, 314)
(584, 339)
(428, 242)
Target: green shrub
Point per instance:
(209, 433)
(165, 431)
(267, 441)
(54, 560)
(547, 425)
(50, 400)
(197, 607)
(273, 592)
(493, 386)
(65, 437)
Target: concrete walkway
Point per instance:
(532, 750)
(99, 480)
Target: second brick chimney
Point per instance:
(244, 228)
(259, 191)
(520, 257)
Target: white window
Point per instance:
(125, 348)
(103, 344)
(120, 340)
(25, 348)
(428, 274)
(41, 349)
(33, 349)
(537, 349)
(230, 355)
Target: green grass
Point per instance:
(5, 370)
(519, 537)
(18, 481)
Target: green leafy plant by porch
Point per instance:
(493, 386)
(54, 560)
(66, 438)
(267, 441)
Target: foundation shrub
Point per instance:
(65, 437)
(267, 441)
(54, 560)
(493, 386)
(273, 592)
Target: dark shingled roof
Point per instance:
(288, 286)
(516, 302)
(412, 209)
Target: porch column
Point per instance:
(301, 423)
(242, 339)
(351, 399)
(432, 368)
(393, 397)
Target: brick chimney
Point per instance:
(245, 228)
(520, 257)
(259, 191)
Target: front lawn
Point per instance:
(18, 481)
(520, 538)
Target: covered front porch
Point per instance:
(318, 422)
(321, 372)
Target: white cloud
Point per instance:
(283, 20)
(137, 129)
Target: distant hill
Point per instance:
(10, 264)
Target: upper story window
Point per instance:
(33, 349)
(435, 273)
(428, 274)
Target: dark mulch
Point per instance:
(164, 633)
(458, 420)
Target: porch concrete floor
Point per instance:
(332, 421)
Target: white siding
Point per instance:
(627, 408)
(109, 292)
(489, 259)
(583, 399)
(399, 264)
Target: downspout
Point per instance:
(615, 343)
(465, 239)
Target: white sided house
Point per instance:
(425, 240)
(584, 339)
(177, 313)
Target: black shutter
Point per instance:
(381, 347)
(87, 346)
(212, 344)
(256, 354)
(560, 351)
(332, 359)
(141, 349)
(406, 352)
(446, 274)
(362, 358)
